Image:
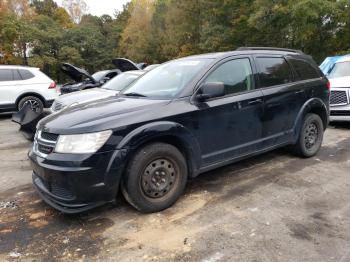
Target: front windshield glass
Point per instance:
(98, 75)
(121, 81)
(340, 70)
(167, 80)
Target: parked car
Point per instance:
(181, 119)
(28, 119)
(328, 64)
(21, 85)
(83, 80)
(339, 79)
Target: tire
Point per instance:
(36, 103)
(310, 137)
(155, 177)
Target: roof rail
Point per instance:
(270, 49)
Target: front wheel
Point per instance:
(310, 137)
(155, 177)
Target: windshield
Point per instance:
(167, 80)
(98, 75)
(340, 70)
(121, 81)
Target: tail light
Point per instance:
(52, 85)
(328, 85)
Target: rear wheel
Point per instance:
(310, 137)
(35, 103)
(155, 177)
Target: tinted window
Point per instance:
(273, 71)
(26, 74)
(236, 75)
(304, 70)
(5, 75)
(16, 75)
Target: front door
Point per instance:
(230, 126)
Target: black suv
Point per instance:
(183, 118)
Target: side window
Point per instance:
(5, 75)
(26, 74)
(111, 75)
(236, 75)
(304, 70)
(273, 71)
(16, 75)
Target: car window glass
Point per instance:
(304, 70)
(340, 69)
(6, 75)
(16, 75)
(26, 74)
(111, 75)
(236, 75)
(120, 82)
(273, 71)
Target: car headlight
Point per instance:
(82, 143)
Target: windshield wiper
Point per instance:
(134, 94)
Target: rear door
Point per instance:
(283, 97)
(8, 87)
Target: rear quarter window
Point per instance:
(273, 71)
(6, 75)
(304, 70)
(26, 74)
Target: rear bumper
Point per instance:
(76, 183)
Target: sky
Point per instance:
(101, 7)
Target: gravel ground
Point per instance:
(275, 207)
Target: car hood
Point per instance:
(340, 81)
(124, 64)
(108, 113)
(76, 73)
(85, 96)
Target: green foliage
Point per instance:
(45, 35)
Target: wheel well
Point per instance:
(322, 113)
(30, 94)
(171, 140)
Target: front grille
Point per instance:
(340, 113)
(45, 143)
(338, 98)
(61, 192)
(45, 149)
(49, 136)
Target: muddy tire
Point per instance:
(35, 103)
(310, 137)
(155, 177)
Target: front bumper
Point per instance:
(76, 183)
(339, 113)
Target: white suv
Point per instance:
(21, 85)
(339, 79)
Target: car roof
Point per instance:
(343, 59)
(248, 50)
(135, 72)
(18, 67)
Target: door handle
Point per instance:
(255, 102)
(299, 92)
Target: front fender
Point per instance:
(165, 129)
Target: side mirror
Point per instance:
(211, 90)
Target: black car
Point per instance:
(181, 119)
(83, 80)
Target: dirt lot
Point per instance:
(275, 207)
